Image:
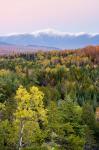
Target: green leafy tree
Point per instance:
(30, 111)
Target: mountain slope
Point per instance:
(52, 38)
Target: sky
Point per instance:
(26, 16)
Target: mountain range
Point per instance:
(50, 39)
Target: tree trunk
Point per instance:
(21, 135)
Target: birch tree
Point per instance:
(30, 108)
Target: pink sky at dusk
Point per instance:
(64, 15)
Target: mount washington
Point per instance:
(50, 38)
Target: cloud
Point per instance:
(54, 32)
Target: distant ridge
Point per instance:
(6, 49)
(52, 38)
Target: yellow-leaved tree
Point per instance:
(29, 112)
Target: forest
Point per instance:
(49, 100)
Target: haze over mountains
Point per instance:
(50, 39)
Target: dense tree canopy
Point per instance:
(48, 100)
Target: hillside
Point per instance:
(50, 100)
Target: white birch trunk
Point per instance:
(21, 135)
